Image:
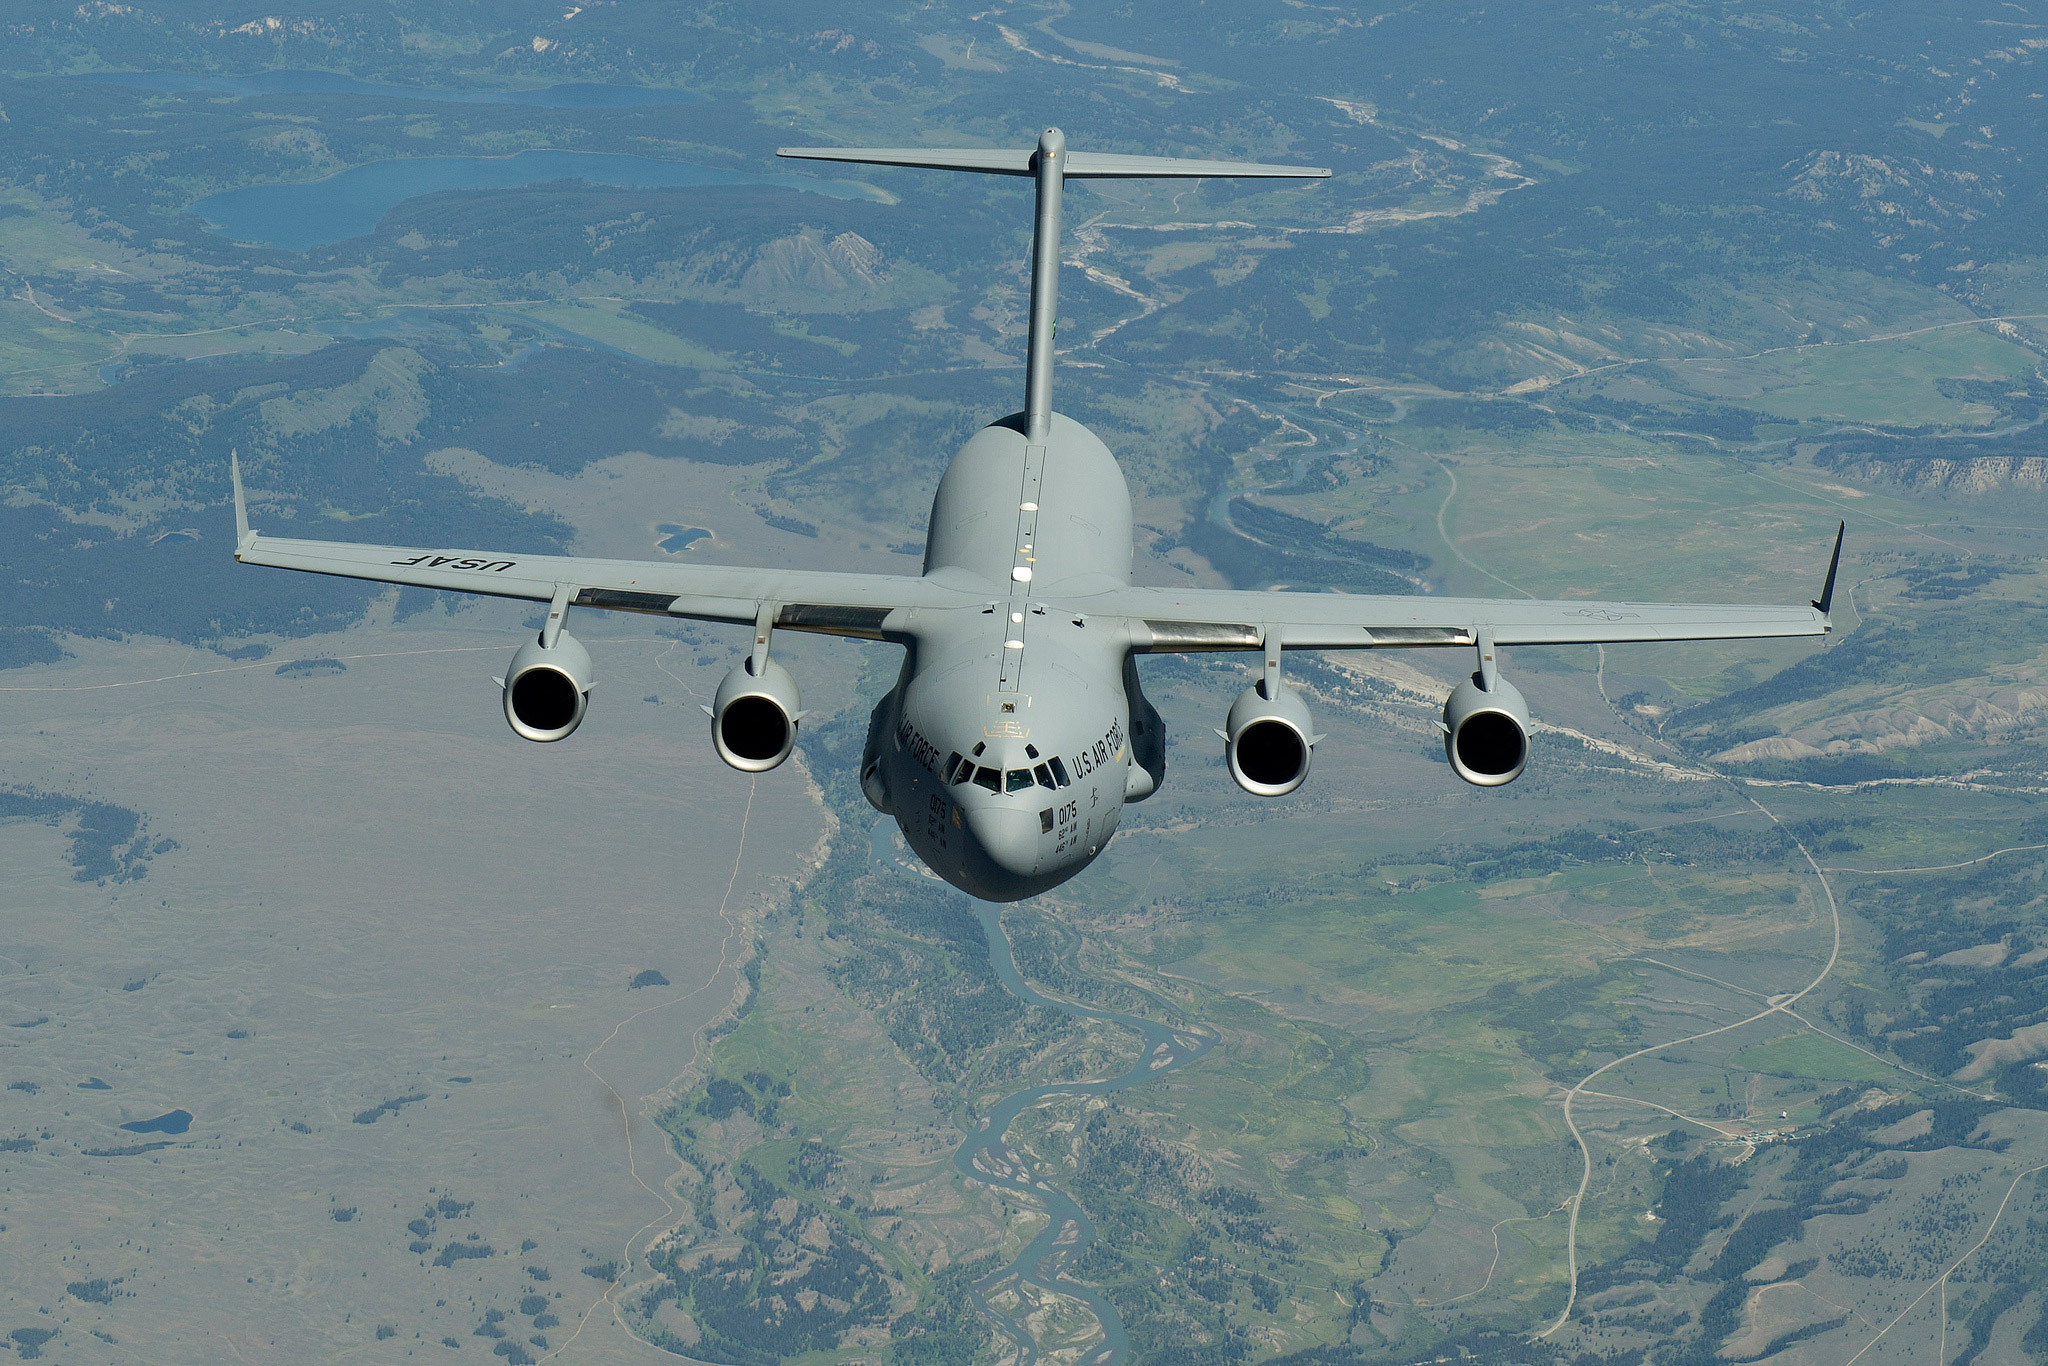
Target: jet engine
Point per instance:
(754, 717)
(547, 689)
(1267, 740)
(1486, 731)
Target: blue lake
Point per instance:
(319, 212)
(676, 539)
(176, 1122)
(330, 83)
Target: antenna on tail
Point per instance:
(1051, 165)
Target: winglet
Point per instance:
(244, 538)
(1826, 601)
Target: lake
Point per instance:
(320, 212)
(331, 83)
(675, 540)
(176, 1122)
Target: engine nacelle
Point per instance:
(754, 719)
(1486, 734)
(548, 690)
(1268, 740)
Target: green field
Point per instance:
(605, 321)
(1886, 381)
(1812, 1056)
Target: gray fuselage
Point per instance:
(1016, 733)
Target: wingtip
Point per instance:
(1825, 603)
(244, 537)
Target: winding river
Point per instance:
(987, 1157)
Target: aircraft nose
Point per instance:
(1008, 837)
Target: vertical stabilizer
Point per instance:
(1049, 165)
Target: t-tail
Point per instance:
(1050, 164)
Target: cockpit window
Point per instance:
(1044, 776)
(988, 778)
(952, 762)
(1059, 770)
(964, 773)
(1018, 780)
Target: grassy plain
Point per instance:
(606, 321)
(1811, 1055)
(1877, 381)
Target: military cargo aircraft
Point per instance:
(1017, 731)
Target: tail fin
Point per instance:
(1051, 164)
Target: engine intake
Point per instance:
(548, 690)
(1268, 740)
(754, 719)
(1486, 733)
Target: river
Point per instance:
(987, 1157)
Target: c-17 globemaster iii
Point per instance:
(1016, 731)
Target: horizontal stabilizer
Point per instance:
(992, 161)
(1079, 165)
(1110, 166)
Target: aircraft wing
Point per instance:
(1171, 620)
(820, 601)
(1181, 620)
(1161, 620)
